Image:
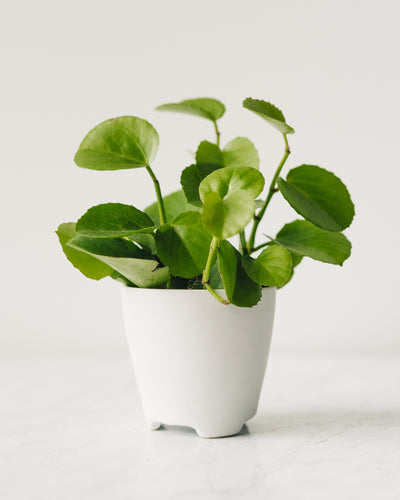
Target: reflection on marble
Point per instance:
(327, 428)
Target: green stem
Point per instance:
(217, 133)
(261, 246)
(160, 201)
(243, 244)
(272, 190)
(206, 272)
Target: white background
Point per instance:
(332, 67)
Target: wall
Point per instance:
(332, 68)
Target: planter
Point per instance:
(197, 363)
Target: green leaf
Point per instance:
(228, 196)
(209, 155)
(184, 245)
(146, 241)
(319, 196)
(190, 182)
(111, 220)
(303, 238)
(240, 289)
(269, 113)
(124, 257)
(211, 109)
(119, 143)
(229, 180)
(175, 203)
(272, 267)
(87, 265)
(241, 152)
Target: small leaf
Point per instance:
(269, 113)
(303, 238)
(119, 143)
(240, 289)
(184, 245)
(205, 107)
(319, 196)
(124, 257)
(241, 152)
(175, 203)
(272, 267)
(190, 182)
(111, 220)
(87, 265)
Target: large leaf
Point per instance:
(319, 196)
(119, 143)
(111, 220)
(228, 199)
(240, 289)
(303, 238)
(86, 264)
(124, 257)
(273, 267)
(269, 113)
(174, 204)
(184, 245)
(205, 107)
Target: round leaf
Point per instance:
(272, 267)
(241, 152)
(319, 196)
(269, 113)
(205, 107)
(228, 180)
(184, 245)
(119, 143)
(303, 238)
(111, 220)
(224, 217)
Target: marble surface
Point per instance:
(327, 428)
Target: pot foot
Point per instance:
(152, 424)
(205, 433)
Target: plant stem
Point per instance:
(243, 244)
(217, 133)
(206, 272)
(272, 190)
(261, 246)
(160, 201)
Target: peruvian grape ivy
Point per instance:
(183, 240)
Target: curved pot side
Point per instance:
(197, 362)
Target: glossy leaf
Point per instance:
(119, 143)
(228, 180)
(86, 264)
(175, 203)
(124, 257)
(209, 155)
(269, 113)
(228, 199)
(272, 267)
(240, 289)
(304, 238)
(319, 196)
(111, 220)
(183, 245)
(205, 107)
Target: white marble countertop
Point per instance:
(327, 428)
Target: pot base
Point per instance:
(204, 432)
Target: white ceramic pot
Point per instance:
(197, 362)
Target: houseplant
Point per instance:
(179, 250)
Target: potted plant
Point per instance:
(198, 309)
